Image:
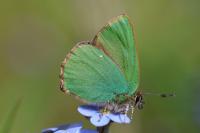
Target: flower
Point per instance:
(68, 128)
(99, 119)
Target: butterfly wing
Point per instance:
(91, 75)
(116, 39)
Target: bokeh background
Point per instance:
(35, 35)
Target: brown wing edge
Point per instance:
(93, 43)
(62, 88)
(107, 24)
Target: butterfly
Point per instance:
(106, 69)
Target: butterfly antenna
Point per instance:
(163, 95)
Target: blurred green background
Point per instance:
(35, 35)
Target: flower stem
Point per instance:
(104, 129)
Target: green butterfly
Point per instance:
(106, 69)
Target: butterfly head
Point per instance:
(138, 100)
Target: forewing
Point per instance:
(116, 39)
(90, 74)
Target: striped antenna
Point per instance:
(164, 95)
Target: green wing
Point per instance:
(116, 39)
(91, 75)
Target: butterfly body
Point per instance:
(104, 70)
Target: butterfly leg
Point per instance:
(107, 108)
(132, 110)
(127, 109)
